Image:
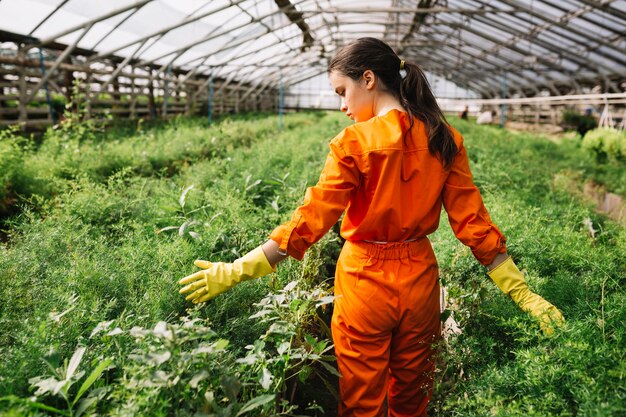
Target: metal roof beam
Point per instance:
(184, 22)
(605, 6)
(485, 56)
(531, 36)
(418, 19)
(56, 9)
(510, 44)
(297, 18)
(527, 35)
(569, 27)
(120, 23)
(225, 61)
(583, 17)
(93, 21)
(443, 69)
(222, 33)
(57, 63)
(489, 82)
(289, 63)
(384, 10)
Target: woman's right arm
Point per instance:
(323, 205)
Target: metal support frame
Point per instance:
(165, 30)
(280, 103)
(93, 21)
(51, 110)
(58, 62)
(210, 99)
(166, 91)
(503, 117)
(573, 67)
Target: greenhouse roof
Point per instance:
(558, 45)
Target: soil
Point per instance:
(608, 203)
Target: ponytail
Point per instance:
(417, 98)
(413, 90)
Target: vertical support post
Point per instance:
(51, 111)
(88, 94)
(211, 99)
(23, 114)
(503, 118)
(133, 94)
(166, 93)
(280, 102)
(151, 103)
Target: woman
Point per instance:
(390, 173)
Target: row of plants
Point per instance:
(89, 285)
(108, 258)
(501, 365)
(89, 148)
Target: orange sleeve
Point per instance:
(467, 214)
(323, 204)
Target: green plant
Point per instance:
(82, 255)
(61, 381)
(606, 144)
(11, 160)
(187, 223)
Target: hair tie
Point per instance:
(402, 70)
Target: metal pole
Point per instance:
(53, 114)
(280, 102)
(211, 99)
(166, 93)
(503, 118)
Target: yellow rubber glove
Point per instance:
(511, 281)
(215, 278)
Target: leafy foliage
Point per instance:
(606, 144)
(85, 270)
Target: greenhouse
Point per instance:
(453, 247)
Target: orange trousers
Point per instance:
(385, 321)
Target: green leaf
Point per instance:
(311, 340)
(183, 196)
(283, 347)
(444, 316)
(256, 402)
(95, 374)
(231, 387)
(330, 369)
(84, 405)
(74, 362)
(266, 379)
(168, 228)
(15, 399)
(221, 344)
(41, 406)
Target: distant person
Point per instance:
(486, 117)
(586, 123)
(389, 173)
(464, 113)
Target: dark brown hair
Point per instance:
(413, 91)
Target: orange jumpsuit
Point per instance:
(386, 313)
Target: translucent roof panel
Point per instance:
(536, 44)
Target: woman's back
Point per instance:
(399, 197)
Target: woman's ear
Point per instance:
(370, 79)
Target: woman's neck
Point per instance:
(385, 103)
